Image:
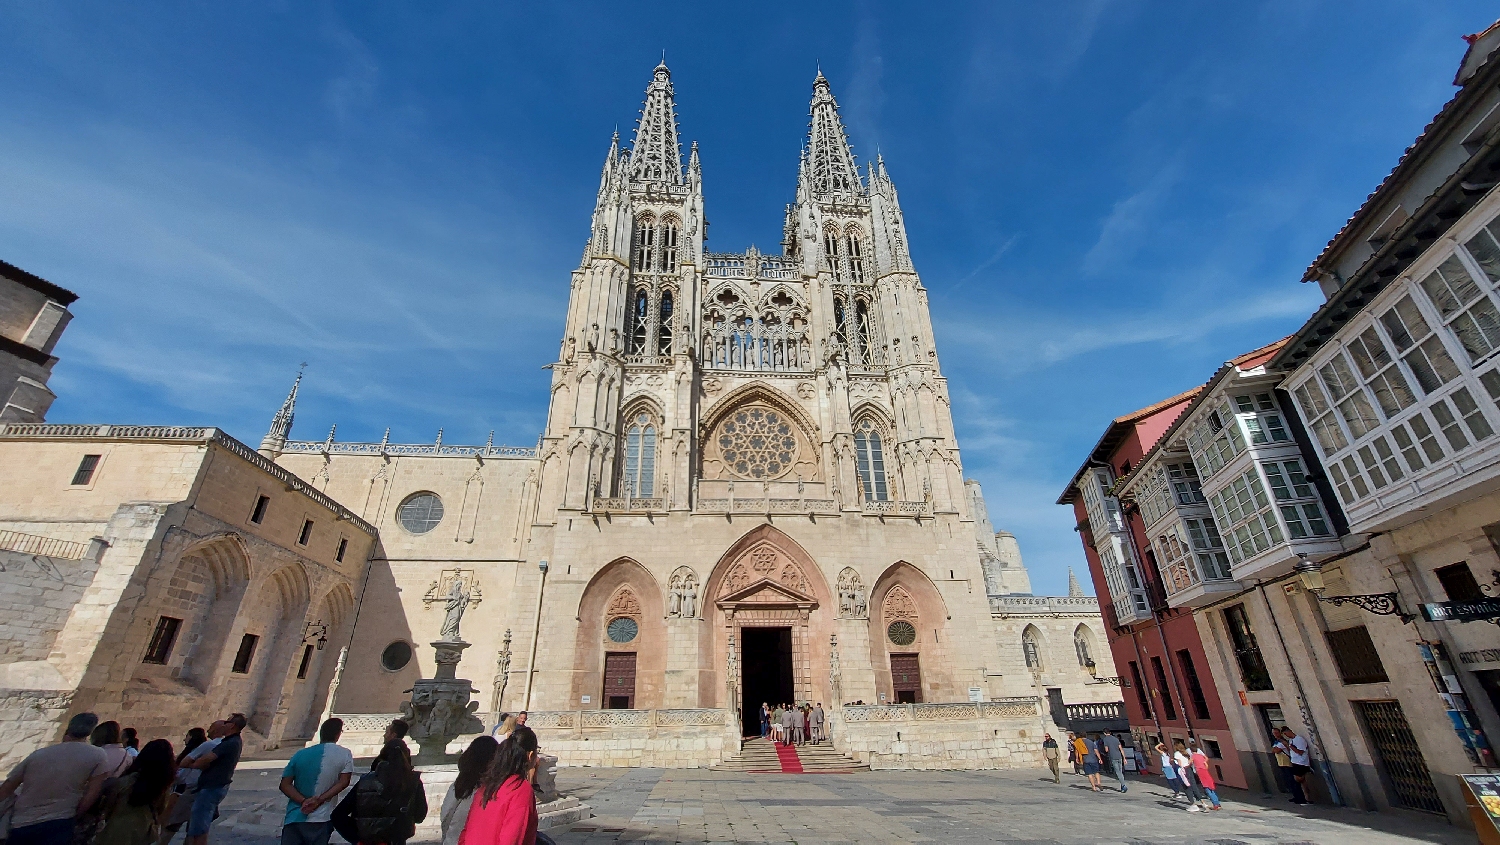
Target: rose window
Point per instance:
(757, 443)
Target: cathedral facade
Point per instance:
(748, 490)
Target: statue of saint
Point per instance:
(456, 602)
(861, 604)
(690, 599)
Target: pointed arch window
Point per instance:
(640, 312)
(668, 245)
(639, 481)
(839, 328)
(831, 251)
(664, 329)
(1031, 646)
(855, 255)
(861, 338)
(869, 459)
(1081, 645)
(645, 244)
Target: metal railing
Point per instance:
(34, 544)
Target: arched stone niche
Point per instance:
(622, 589)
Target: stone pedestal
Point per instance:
(440, 710)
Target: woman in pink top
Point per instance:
(504, 811)
(1200, 768)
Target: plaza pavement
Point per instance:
(701, 805)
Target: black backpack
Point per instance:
(378, 808)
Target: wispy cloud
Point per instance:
(1129, 222)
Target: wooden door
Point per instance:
(619, 680)
(906, 678)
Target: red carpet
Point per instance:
(790, 762)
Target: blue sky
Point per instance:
(1105, 200)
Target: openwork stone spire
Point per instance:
(274, 442)
(656, 156)
(829, 169)
(1074, 588)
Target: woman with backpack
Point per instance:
(387, 804)
(504, 811)
(137, 801)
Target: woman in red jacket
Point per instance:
(504, 811)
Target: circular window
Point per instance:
(901, 632)
(622, 629)
(396, 655)
(420, 513)
(757, 443)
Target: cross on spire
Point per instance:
(656, 156)
(830, 168)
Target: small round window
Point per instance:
(420, 513)
(622, 629)
(396, 655)
(901, 632)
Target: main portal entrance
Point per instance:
(766, 674)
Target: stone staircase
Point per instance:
(759, 755)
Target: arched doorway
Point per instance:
(769, 609)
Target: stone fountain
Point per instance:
(440, 709)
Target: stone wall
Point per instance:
(36, 593)
(673, 739)
(989, 735)
(30, 719)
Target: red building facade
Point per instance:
(1168, 689)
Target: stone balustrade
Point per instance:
(1003, 734)
(667, 738)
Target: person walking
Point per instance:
(1184, 765)
(1076, 750)
(1300, 756)
(216, 773)
(1168, 770)
(136, 801)
(1093, 763)
(312, 782)
(1200, 770)
(459, 801)
(54, 785)
(504, 811)
(1116, 755)
(1053, 755)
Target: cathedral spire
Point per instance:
(1074, 588)
(656, 156)
(830, 168)
(281, 425)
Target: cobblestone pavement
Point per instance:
(690, 805)
(697, 805)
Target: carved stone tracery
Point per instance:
(899, 605)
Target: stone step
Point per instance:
(759, 755)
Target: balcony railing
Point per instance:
(33, 544)
(1096, 711)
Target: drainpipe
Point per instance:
(536, 633)
(1140, 661)
(1302, 706)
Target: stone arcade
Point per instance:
(748, 490)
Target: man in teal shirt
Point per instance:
(312, 782)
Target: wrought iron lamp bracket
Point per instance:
(1380, 604)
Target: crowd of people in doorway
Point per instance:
(100, 786)
(790, 724)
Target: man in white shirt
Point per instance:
(1297, 749)
(187, 782)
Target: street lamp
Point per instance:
(1093, 669)
(1380, 604)
(315, 630)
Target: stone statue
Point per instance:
(690, 598)
(861, 602)
(456, 602)
(846, 601)
(674, 598)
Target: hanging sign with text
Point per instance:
(1462, 611)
